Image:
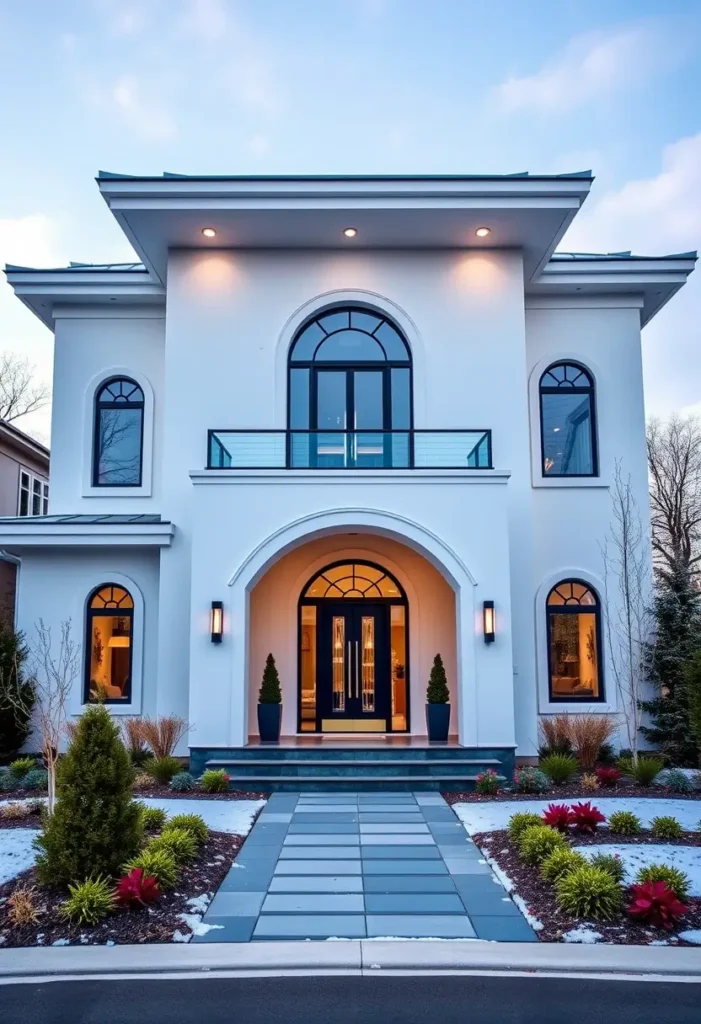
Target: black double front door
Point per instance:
(353, 666)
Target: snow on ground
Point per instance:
(634, 857)
(489, 817)
(692, 935)
(16, 853)
(583, 933)
(234, 816)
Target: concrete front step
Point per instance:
(363, 783)
(350, 769)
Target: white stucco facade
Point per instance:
(205, 334)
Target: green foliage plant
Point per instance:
(89, 901)
(95, 823)
(559, 767)
(21, 765)
(644, 772)
(158, 863)
(17, 693)
(37, 778)
(538, 842)
(270, 692)
(674, 879)
(666, 827)
(178, 841)
(624, 823)
(193, 823)
(609, 862)
(152, 818)
(520, 821)
(437, 691)
(560, 861)
(214, 780)
(182, 782)
(589, 892)
(163, 769)
(676, 780)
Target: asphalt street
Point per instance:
(353, 1000)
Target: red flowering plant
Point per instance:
(655, 904)
(487, 783)
(558, 816)
(608, 777)
(585, 818)
(136, 888)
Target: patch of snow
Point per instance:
(2, 939)
(235, 816)
(17, 853)
(25, 800)
(110, 942)
(198, 904)
(61, 942)
(490, 817)
(659, 942)
(40, 939)
(582, 933)
(691, 935)
(196, 925)
(634, 856)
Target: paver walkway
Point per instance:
(361, 865)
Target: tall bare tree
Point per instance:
(627, 587)
(55, 673)
(674, 459)
(19, 394)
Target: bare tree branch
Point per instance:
(55, 674)
(18, 395)
(674, 460)
(627, 592)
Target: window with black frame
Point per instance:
(567, 421)
(573, 615)
(119, 430)
(109, 645)
(349, 397)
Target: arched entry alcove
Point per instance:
(353, 647)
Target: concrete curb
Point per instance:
(346, 956)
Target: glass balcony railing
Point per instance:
(349, 449)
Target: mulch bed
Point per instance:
(158, 790)
(575, 791)
(155, 923)
(539, 897)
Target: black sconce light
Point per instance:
(489, 622)
(216, 622)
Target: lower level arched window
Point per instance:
(109, 638)
(574, 643)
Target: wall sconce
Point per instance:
(216, 622)
(489, 622)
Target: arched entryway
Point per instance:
(353, 647)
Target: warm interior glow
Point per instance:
(209, 232)
(483, 232)
(350, 232)
(489, 621)
(217, 620)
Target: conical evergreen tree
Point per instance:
(96, 825)
(437, 691)
(678, 636)
(17, 695)
(270, 692)
(692, 685)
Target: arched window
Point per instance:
(119, 432)
(573, 613)
(353, 579)
(349, 397)
(567, 421)
(108, 645)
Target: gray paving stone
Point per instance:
(323, 828)
(391, 867)
(257, 857)
(390, 839)
(413, 903)
(330, 883)
(235, 904)
(388, 818)
(504, 929)
(454, 841)
(324, 809)
(448, 828)
(314, 903)
(483, 883)
(321, 839)
(318, 867)
(430, 926)
(408, 883)
(483, 904)
(228, 929)
(310, 926)
(466, 866)
(243, 880)
(310, 818)
(401, 852)
(380, 808)
(389, 826)
(274, 818)
(438, 813)
(430, 799)
(304, 852)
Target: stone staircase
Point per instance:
(363, 768)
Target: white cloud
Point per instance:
(590, 67)
(30, 241)
(207, 19)
(144, 115)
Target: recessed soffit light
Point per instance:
(209, 232)
(483, 232)
(350, 232)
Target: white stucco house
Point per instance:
(354, 422)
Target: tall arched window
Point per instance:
(119, 433)
(567, 421)
(573, 614)
(349, 398)
(109, 634)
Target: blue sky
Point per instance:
(434, 86)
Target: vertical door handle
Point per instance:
(348, 669)
(357, 687)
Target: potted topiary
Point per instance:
(437, 706)
(269, 704)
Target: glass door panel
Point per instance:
(338, 692)
(367, 644)
(331, 415)
(368, 415)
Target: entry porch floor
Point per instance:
(361, 865)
